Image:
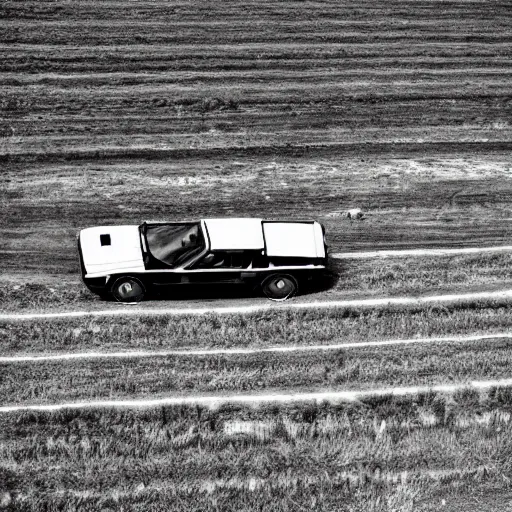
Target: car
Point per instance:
(127, 262)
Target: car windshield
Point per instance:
(174, 244)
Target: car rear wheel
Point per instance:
(128, 290)
(279, 287)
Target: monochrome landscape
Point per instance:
(386, 389)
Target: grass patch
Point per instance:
(268, 328)
(303, 454)
(36, 296)
(419, 275)
(368, 367)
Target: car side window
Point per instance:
(225, 259)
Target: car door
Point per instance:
(218, 267)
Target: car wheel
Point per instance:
(279, 287)
(128, 290)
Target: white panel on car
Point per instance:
(232, 234)
(293, 239)
(319, 240)
(110, 249)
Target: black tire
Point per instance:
(128, 290)
(279, 287)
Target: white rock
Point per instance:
(354, 213)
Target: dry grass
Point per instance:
(269, 328)
(352, 369)
(379, 454)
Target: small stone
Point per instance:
(354, 214)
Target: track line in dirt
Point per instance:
(405, 253)
(215, 401)
(236, 351)
(269, 306)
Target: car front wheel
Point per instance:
(128, 290)
(279, 287)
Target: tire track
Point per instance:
(229, 351)
(418, 252)
(216, 401)
(268, 306)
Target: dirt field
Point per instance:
(282, 109)
(118, 112)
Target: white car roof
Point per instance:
(283, 239)
(232, 234)
(279, 238)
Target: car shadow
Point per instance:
(195, 292)
(324, 282)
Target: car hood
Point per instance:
(111, 249)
